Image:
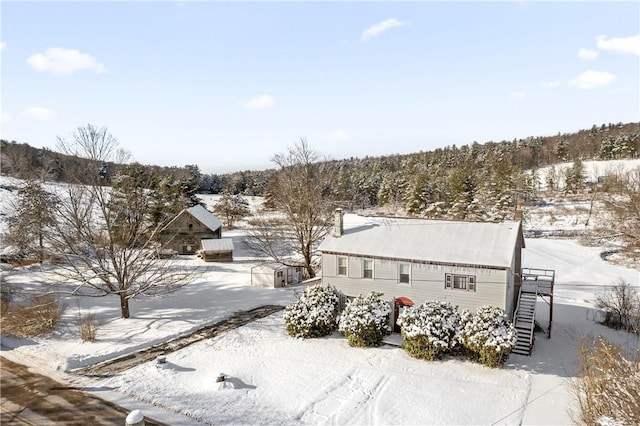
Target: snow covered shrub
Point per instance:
(465, 318)
(489, 336)
(313, 314)
(429, 330)
(365, 320)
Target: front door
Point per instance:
(399, 304)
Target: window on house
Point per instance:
(367, 268)
(279, 274)
(460, 282)
(190, 227)
(342, 265)
(404, 273)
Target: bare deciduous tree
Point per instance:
(625, 204)
(107, 246)
(621, 304)
(301, 193)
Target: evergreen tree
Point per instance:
(231, 208)
(131, 204)
(33, 215)
(574, 178)
(463, 188)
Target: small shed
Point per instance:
(275, 275)
(217, 250)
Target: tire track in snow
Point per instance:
(348, 399)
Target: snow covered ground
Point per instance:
(281, 380)
(592, 169)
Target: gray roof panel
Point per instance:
(440, 241)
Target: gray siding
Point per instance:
(427, 282)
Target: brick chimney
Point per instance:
(338, 225)
(518, 213)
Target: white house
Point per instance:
(468, 264)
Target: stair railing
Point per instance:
(533, 320)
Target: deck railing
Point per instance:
(540, 281)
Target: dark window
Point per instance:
(460, 282)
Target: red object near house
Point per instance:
(398, 304)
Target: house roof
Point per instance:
(205, 217)
(214, 244)
(273, 266)
(451, 242)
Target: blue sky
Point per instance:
(225, 85)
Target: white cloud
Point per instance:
(629, 45)
(5, 117)
(518, 95)
(3, 45)
(64, 61)
(376, 29)
(549, 84)
(260, 102)
(339, 136)
(591, 79)
(587, 54)
(38, 113)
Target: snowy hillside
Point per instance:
(592, 169)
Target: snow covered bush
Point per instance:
(313, 314)
(429, 330)
(365, 320)
(488, 335)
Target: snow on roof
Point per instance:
(470, 243)
(214, 244)
(204, 216)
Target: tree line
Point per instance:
(372, 176)
(105, 225)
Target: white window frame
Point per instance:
(364, 269)
(346, 266)
(450, 279)
(400, 274)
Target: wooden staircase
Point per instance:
(524, 322)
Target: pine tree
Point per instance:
(33, 215)
(574, 178)
(231, 208)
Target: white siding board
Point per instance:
(355, 267)
(427, 282)
(329, 266)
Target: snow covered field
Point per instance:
(280, 380)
